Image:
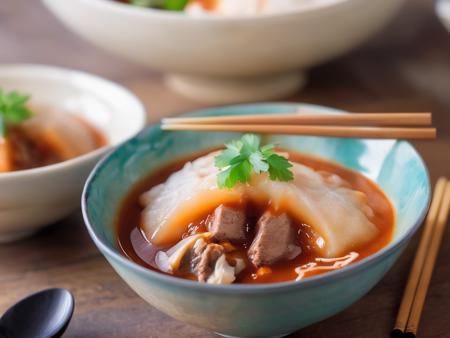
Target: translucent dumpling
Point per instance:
(65, 134)
(338, 214)
(186, 195)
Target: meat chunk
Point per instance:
(195, 255)
(207, 262)
(228, 224)
(275, 240)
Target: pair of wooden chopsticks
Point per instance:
(422, 269)
(363, 125)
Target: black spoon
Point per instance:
(45, 314)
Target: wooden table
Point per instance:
(405, 68)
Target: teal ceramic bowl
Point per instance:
(271, 310)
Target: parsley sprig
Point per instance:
(13, 110)
(171, 5)
(243, 156)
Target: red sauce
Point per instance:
(134, 246)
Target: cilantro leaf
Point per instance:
(171, 5)
(250, 143)
(268, 150)
(175, 5)
(13, 110)
(279, 168)
(235, 145)
(244, 156)
(148, 3)
(223, 160)
(258, 162)
(239, 172)
(223, 178)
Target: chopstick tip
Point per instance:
(435, 134)
(397, 333)
(409, 335)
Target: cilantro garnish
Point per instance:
(243, 156)
(13, 110)
(171, 5)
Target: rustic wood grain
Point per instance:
(405, 68)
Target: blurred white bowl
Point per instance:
(224, 59)
(31, 199)
(443, 12)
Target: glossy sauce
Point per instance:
(135, 247)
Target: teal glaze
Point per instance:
(256, 310)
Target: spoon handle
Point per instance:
(3, 333)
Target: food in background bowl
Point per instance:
(253, 214)
(222, 7)
(36, 135)
(172, 5)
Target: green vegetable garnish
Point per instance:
(243, 156)
(175, 5)
(148, 3)
(13, 110)
(171, 5)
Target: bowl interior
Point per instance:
(394, 165)
(111, 108)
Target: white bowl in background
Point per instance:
(31, 199)
(443, 12)
(228, 59)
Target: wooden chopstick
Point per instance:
(429, 263)
(368, 119)
(414, 276)
(331, 131)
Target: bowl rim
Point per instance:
(48, 71)
(309, 282)
(176, 15)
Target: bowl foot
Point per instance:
(231, 90)
(279, 336)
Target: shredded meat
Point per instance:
(208, 259)
(196, 254)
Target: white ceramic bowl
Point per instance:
(443, 12)
(31, 199)
(225, 59)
